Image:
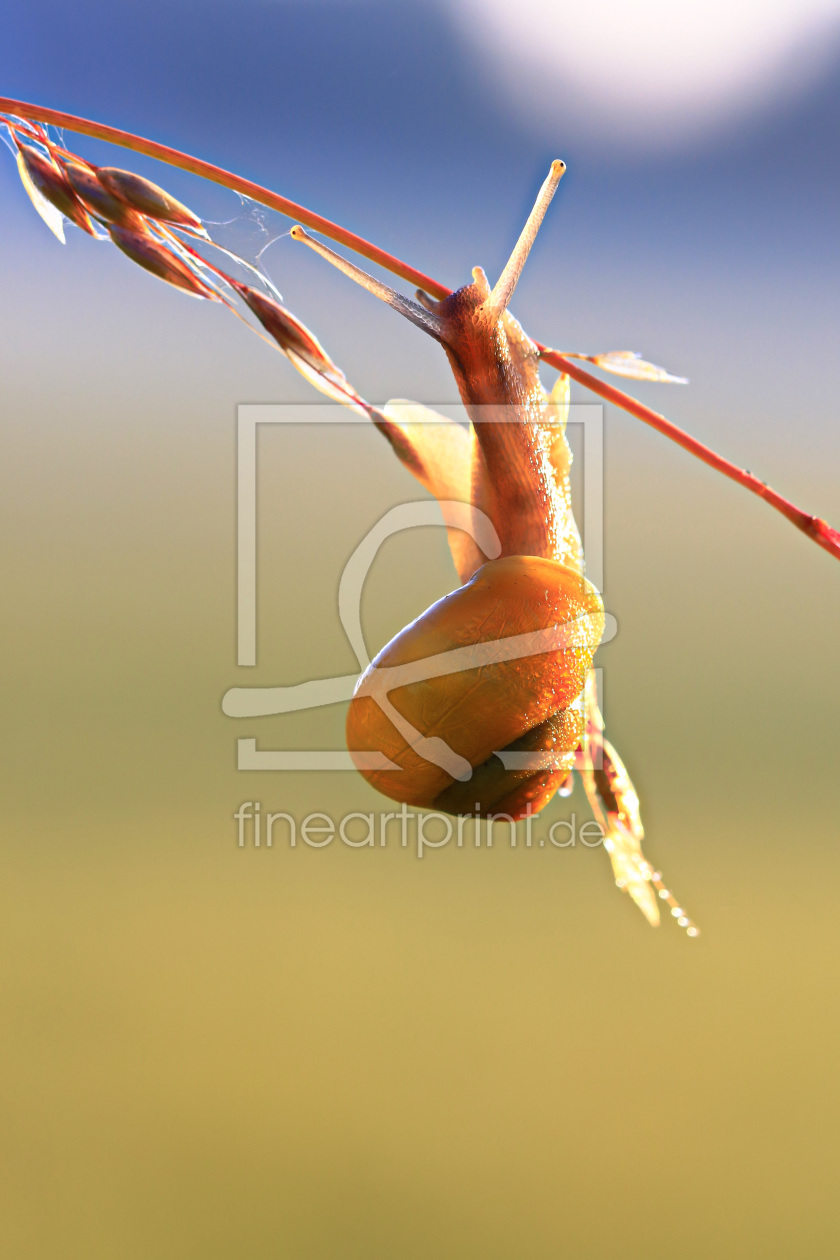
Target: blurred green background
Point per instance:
(208, 1051)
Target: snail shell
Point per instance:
(479, 701)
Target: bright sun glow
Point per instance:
(650, 72)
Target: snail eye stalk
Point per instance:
(497, 302)
(418, 315)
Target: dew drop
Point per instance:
(567, 786)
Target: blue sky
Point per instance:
(391, 120)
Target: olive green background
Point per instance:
(214, 1051)
(211, 1051)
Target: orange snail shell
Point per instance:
(532, 703)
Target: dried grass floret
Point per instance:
(52, 183)
(160, 259)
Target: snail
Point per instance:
(451, 734)
(485, 703)
(516, 640)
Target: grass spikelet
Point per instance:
(288, 331)
(301, 347)
(96, 197)
(148, 198)
(50, 181)
(153, 255)
(630, 363)
(51, 215)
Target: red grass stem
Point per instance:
(813, 526)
